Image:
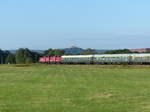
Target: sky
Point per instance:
(100, 24)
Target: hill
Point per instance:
(76, 50)
(73, 50)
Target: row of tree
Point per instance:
(93, 51)
(3, 56)
(119, 51)
(20, 57)
(24, 56)
(58, 52)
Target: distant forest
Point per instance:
(26, 56)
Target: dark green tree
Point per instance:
(58, 52)
(20, 59)
(2, 57)
(49, 52)
(29, 60)
(54, 52)
(120, 51)
(24, 56)
(89, 51)
(10, 59)
(36, 56)
(28, 56)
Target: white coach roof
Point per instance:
(77, 56)
(107, 55)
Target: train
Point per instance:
(143, 58)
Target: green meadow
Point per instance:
(75, 88)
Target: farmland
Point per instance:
(45, 88)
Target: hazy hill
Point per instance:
(101, 51)
(72, 50)
(76, 50)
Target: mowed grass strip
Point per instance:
(63, 88)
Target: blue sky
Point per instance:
(101, 24)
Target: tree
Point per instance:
(120, 51)
(58, 52)
(20, 59)
(54, 52)
(89, 51)
(2, 57)
(11, 59)
(29, 60)
(28, 56)
(49, 52)
(36, 56)
(24, 56)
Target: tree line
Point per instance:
(25, 56)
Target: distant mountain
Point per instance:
(101, 51)
(76, 50)
(73, 50)
(12, 51)
(38, 51)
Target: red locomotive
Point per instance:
(50, 59)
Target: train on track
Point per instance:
(99, 59)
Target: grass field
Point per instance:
(42, 88)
